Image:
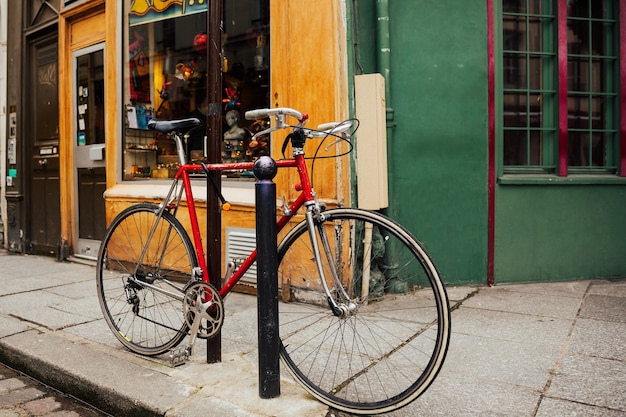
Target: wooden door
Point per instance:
(42, 105)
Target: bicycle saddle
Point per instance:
(166, 126)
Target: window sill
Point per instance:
(235, 192)
(550, 179)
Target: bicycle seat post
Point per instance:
(179, 147)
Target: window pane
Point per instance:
(523, 6)
(578, 37)
(578, 144)
(514, 6)
(596, 9)
(514, 68)
(535, 34)
(601, 81)
(578, 112)
(598, 112)
(586, 150)
(514, 30)
(515, 110)
(535, 110)
(515, 147)
(601, 37)
(578, 74)
(522, 147)
(534, 158)
(536, 68)
(598, 149)
(165, 76)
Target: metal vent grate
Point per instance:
(239, 244)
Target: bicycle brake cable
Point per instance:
(225, 204)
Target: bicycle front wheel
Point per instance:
(144, 264)
(390, 342)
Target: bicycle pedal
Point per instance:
(179, 355)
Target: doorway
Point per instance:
(44, 214)
(89, 144)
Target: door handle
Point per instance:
(42, 162)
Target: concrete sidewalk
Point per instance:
(519, 350)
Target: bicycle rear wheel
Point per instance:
(389, 347)
(144, 264)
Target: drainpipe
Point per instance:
(383, 63)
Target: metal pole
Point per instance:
(267, 277)
(213, 147)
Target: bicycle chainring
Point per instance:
(203, 307)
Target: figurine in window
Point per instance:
(234, 132)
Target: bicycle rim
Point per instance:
(145, 320)
(389, 349)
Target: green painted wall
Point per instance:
(551, 233)
(438, 152)
(438, 162)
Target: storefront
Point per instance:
(117, 64)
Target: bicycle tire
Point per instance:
(143, 319)
(389, 350)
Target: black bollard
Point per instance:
(267, 278)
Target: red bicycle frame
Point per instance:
(306, 194)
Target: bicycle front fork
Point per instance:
(315, 219)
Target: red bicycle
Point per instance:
(368, 333)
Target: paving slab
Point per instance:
(560, 289)
(590, 380)
(604, 307)
(514, 327)
(615, 287)
(525, 365)
(49, 313)
(509, 298)
(460, 395)
(550, 407)
(10, 326)
(599, 338)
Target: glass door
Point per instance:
(89, 154)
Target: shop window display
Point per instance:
(165, 75)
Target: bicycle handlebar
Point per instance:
(265, 113)
(325, 129)
(332, 128)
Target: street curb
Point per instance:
(65, 380)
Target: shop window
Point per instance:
(165, 73)
(560, 90)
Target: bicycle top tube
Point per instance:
(236, 166)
